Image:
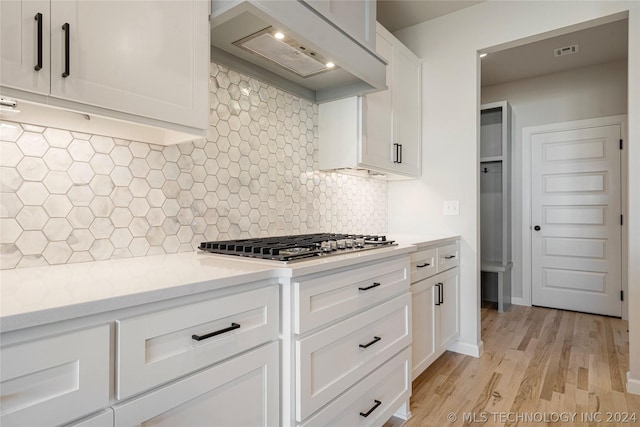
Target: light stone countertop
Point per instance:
(422, 240)
(41, 295)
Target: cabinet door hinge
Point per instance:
(621, 295)
(621, 144)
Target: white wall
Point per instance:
(449, 48)
(585, 93)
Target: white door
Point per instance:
(575, 213)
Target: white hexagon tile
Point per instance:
(72, 197)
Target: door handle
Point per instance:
(370, 343)
(537, 228)
(67, 36)
(373, 408)
(213, 334)
(438, 296)
(38, 19)
(375, 284)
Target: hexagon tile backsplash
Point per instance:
(70, 197)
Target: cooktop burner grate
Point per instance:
(295, 247)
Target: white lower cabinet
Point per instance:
(347, 345)
(423, 321)
(158, 347)
(55, 380)
(435, 295)
(332, 360)
(449, 315)
(243, 391)
(373, 400)
(102, 419)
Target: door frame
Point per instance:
(527, 133)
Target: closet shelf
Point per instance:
(490, 159)
(495, 202)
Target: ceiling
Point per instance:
(397, 14)
(596, 45)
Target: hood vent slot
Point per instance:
(285, 52)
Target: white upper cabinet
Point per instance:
(24, 45)
(379, 132)
(407, 113)
(356, 18)
(141, 61)
(377, 113)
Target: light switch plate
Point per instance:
(451, 207)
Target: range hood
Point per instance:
(291, 46)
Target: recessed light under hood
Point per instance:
(243, 39)
(286, 52)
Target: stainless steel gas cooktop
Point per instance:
(297, 247)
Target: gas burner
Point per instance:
(297, 247)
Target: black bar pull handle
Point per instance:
(438, 296)
(426, 264)
(375, 285)
(375, 340)
(396, 152)
(67, 34)
(38, 19)
(449, 256)
(441, 293)
(400, 154)
(373, 408)
(214, 333)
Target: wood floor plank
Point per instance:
(583, 378)
(535, 360)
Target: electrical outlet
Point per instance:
(451, 207)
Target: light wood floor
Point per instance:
(536, 361)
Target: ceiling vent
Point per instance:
(568, 50)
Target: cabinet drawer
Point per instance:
(332, 360)
(243, 391)
(423, 264)
(55, 380)
(390, 385)
(158, 347)
(103, 419)
(334, 296)
(448, 256)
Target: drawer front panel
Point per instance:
(55, 380)
(448, 257)
(103, 419)
(423, 264)
(159, 347)
(390, 385)
(332, 360)
(331, 297)
(242, 391)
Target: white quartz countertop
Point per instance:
(40, 295)
(421, 240)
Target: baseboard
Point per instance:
(633, 384)
(468, 349)
(520, 301)
(403, 411)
